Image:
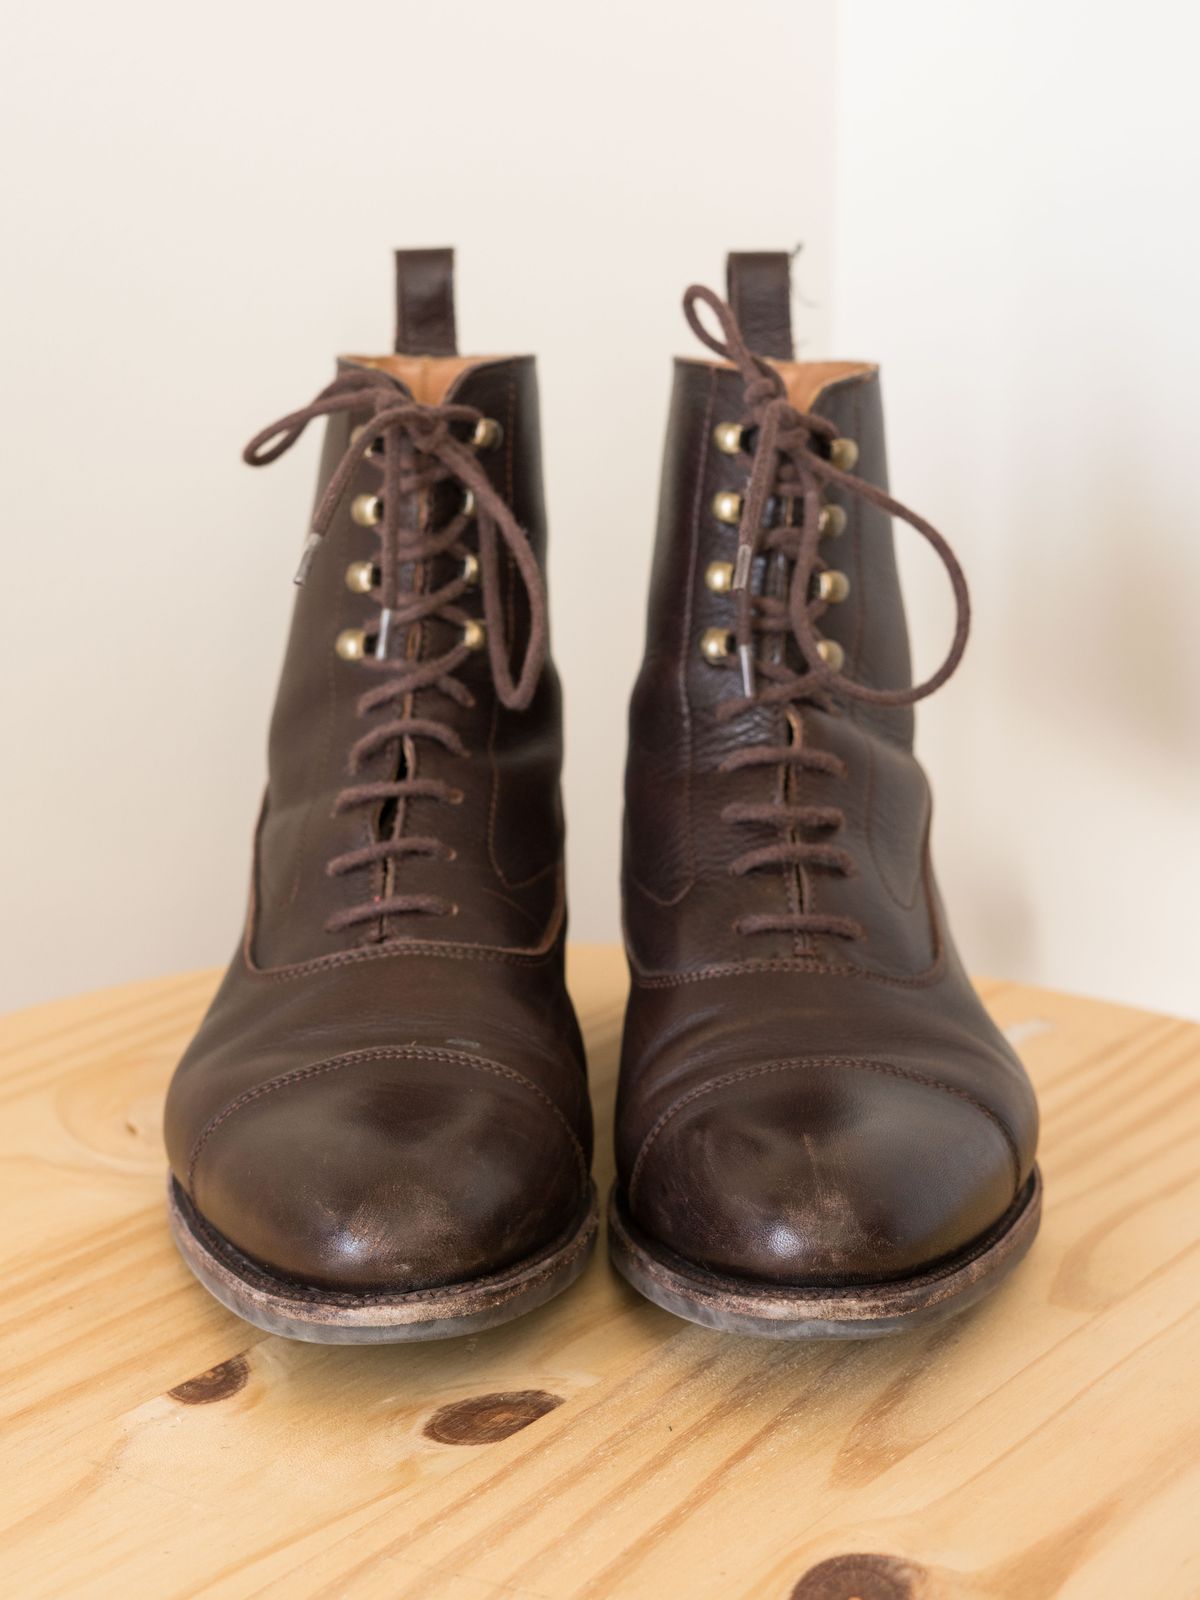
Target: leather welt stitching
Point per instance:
(454, 1295)
(871, 831)
(645, 979)
(511, 955)
(302, 1074)
(887, 1068)
(395, 949)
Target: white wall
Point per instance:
(201, 205)
(1017, 239)
(201, 215)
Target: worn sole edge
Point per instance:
(318, 1316)
(855, 1311)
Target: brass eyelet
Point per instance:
(375, 446)
(361, 577)
(718, 576)
(469, 572)
(474, 634)
(727, 507)
(468, 503)
(716, 645)
(351, 644)
(832, 522)
(729, 438)
(366, 509)
(831, 653)
(844, 454)
(832, 587)
(488, 434)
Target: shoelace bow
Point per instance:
(790, 466)
(419, 451)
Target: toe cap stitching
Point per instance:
(886, 1068)
(285, 1080)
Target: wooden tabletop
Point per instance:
(1043, 1444)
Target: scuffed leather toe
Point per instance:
(822, 1173)
(390, 1170)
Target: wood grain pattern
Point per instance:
(1044, 1444)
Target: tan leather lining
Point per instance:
(427, 378)
(805, 380)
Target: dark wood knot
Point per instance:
(485, 1418)
(218, 1383)
(860, 1577)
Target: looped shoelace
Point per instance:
(419, 451)
(790, 466)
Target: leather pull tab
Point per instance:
(760, 295)
(425, 303)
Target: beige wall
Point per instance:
(205, 210)
(1017, 242)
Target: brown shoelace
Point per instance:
(790, 466)
(415, 447)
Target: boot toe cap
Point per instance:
(822, 1173)
(391, 1172)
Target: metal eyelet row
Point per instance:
(488, 435)
(719, 645)
(730, 439)
(832, 586)
(363, 576)
(727, 508)
(367, 509)
(351, 643)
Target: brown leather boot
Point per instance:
(382, 1130)
(820, 1132)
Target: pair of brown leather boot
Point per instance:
(382, 1129)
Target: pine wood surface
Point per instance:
(1046, 1443)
